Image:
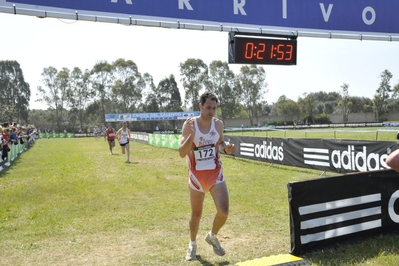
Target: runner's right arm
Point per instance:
(186, 138)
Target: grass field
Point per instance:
(68, 202)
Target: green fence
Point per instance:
(164, 140)
(15, 149)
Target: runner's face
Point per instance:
(208, 109)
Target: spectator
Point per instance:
(22, 135)
(13, 136)
(4, 144)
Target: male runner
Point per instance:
(201, 142)
(109, 135)
(123, 136)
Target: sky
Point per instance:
(322, 64)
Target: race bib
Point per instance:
(205, 157)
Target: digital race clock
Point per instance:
(262, 50)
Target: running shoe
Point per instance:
(191, 252)
(214, 242)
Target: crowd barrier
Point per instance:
(328, 155)
(15, 150)
(331, 211)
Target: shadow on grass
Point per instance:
(356, 252)
(207, 263)
(6, 169)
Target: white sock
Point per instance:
(193, 243)
(212, 234)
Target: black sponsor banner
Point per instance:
(340, 156)
(329, 211)
(139, 136)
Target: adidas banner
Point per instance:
(329, 211)
(340, 156)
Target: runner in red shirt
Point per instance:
(109, 135)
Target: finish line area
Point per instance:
(276, 260)
(350, 206)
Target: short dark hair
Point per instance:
(208, 95)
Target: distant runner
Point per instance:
(123, 137)
(109, 135)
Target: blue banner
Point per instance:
(366, 16)
(150, 116)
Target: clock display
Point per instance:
(257, 50)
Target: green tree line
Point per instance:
(77, 99)
(316, 107)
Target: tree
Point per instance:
(380, 100)
(220, 82)
(393, 102)
(149, 86)
(129, 85)
(252, 87)
(231, 106)
(358, 103)
(43, 119)
(54, 93)
(80, 94)
(307, 105)
(151, 106)
(329, 107)
(63, 84)
(93, 114)
(169, 98)
(395, 91)
(194, 74)
(15, 92)
(169, 95)
(345, 102)
(287, 108)
(325, 102)
(102, 80)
